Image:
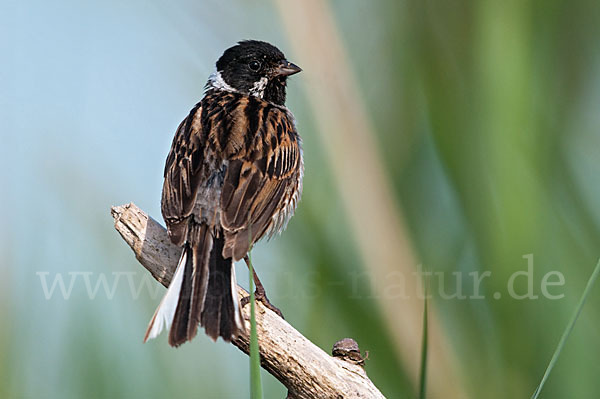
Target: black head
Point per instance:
(255, 68)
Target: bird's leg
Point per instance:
(259, 292)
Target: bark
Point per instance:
(305, 369)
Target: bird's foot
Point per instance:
(260, 295)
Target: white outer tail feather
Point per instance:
(237, 312)
(165, 312)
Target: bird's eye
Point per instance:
(254, 65)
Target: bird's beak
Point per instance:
(286, 68)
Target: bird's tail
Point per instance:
(202, 291)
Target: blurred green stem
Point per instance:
(255, 383)
(423, 375)
(567, 332)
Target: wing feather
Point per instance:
(259, 184)
(259, 150)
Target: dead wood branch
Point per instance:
(305, 369)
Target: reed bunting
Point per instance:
(233, 176)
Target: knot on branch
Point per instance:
(347, 349)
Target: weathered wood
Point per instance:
(305, 369)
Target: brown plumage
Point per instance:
(233, 176)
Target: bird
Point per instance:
(233, 175)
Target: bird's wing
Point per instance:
(262, 178)
(249, 144)
(185, 170)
